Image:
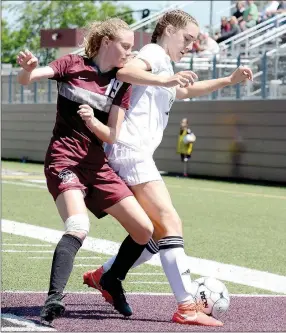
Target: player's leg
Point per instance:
(150, 250)
(72, 210)
(133, 218)
(117, 200)
(156, 201)
(136, 222)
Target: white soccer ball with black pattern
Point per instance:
(213, 294)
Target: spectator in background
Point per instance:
(250, 16)
(269, 10)
(225, 25)
(196, 46)
(186, 139)
(281, 8)
(239, 10)
(234, 30)
(206, 46)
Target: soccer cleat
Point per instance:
(92, 278)
(53, 308)
(114, 287)
(192, 314)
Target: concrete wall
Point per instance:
(262, 127)
(26, 130)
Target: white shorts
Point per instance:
(133, 166)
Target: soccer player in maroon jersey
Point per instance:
(76, 168)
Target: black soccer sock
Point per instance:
(62, 265)
(128, 253)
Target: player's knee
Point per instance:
(170, 222)
(144, 235)
(77, 225)
(147, 234)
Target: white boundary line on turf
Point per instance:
(208, 189)
(28, 245)
(27, 251)
(76, 258)
(20, 183)
(211, 189)
(129, 293)
(28, 324)
(232, 273)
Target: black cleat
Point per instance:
(114, 287)
(53, 308)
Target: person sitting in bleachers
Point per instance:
(234, 30)
(281, 8)
(225, 25)
(207, 46)
(239, 11)
(250, 16)
(268, 11)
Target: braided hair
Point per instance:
(177, 18)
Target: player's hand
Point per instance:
(183, 79)
(86, 113)
(241, 74)
(27, 60)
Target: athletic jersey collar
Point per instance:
(98, 71)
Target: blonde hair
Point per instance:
(97, 30)
(177, 18)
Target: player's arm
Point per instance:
(107, 133)
(30, 73)
(138, 72)
(241, 74)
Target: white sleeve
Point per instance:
(153, 54)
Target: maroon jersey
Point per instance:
(81, 82)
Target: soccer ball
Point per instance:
(213, 294)
(189, 138)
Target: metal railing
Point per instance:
(147, 20)
(269, 79)
(240, 38)
(250, 43)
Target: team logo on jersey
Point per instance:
(113, 88)
(67, 176)
(171, 101)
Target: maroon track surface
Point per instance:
(89, 313)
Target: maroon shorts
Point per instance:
(102, 188)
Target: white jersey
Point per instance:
(148, 114)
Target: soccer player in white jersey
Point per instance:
(155, 88)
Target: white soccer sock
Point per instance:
(176, 267)
(147, 254)
(107, 265)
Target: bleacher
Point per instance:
(262, 48)
(258, 39)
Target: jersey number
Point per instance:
(113, 88)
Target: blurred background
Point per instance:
(240, 130)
